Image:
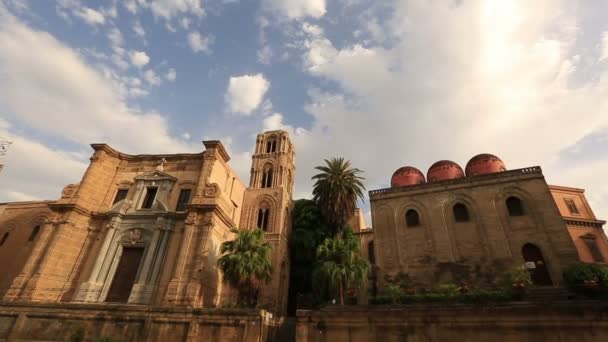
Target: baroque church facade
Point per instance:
(147, 229)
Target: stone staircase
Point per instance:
(548, 294)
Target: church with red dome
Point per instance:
(459, 225)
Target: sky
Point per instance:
(382, 83)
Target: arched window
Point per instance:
(514, 206)
(267, 178)
(371, 253)
(461, 214)
(411, 218)
(4, 237)
(263, 217)
(34, 233)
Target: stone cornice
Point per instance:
(144, 157)
(216, 209)
(71, 206)
(219, 147)
(493, 178)
(584, 222)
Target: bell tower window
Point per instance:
(267, 178)
(271, 146)
(263, 215)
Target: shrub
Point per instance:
(514, 277)
(588, 279)
(448, 289)
(393, 293)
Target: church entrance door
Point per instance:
(124, 278)
(535, 263)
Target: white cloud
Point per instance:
(199, 43)
(90, 16)
(83, 105)
(139, 58)
(275, 122)
(265, 54)
(115, 37)
(604, 46)
(139, 30)
(171, 8)
(171, 75)
(245, 93)
(297, 9)
(500, 75)
(34, 171)
(152, 78)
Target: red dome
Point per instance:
(484, 163)
(407, 175)
(444, 169)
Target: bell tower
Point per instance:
(268, 204)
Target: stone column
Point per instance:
(149, 271)
(90, 291)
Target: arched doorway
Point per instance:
(535, 263)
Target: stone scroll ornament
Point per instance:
(69, 190)
(211, 189)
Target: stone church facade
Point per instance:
(470, 225)
(147, 229)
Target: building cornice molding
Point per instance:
(452, 184)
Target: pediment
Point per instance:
(155, 176)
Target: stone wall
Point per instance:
(442, 249)
(568, 321)
(62, 322)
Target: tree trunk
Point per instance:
(341, 294)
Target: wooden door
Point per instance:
(124, 278)
(535, 263)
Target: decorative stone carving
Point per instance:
(69, 190)
(135, 236)
(161, 165)
(211, 189)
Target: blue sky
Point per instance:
(384, 84)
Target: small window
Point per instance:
(371, 253)
(4, 237)
(571, 206)
(411, 218)
(461, 214)
(592, 246)
(184, 198)
(121, 194)
(263, 216)
(514, 206)
(150, 196)
(34, 233)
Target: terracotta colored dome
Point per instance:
(407, 175)
(484, 163)
(444, 169)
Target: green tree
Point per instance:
(309, 231)
(246, 263)
(336, 190)
(340, 263)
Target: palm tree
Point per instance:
(340, 263)
(246, 263)
(336, 191)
